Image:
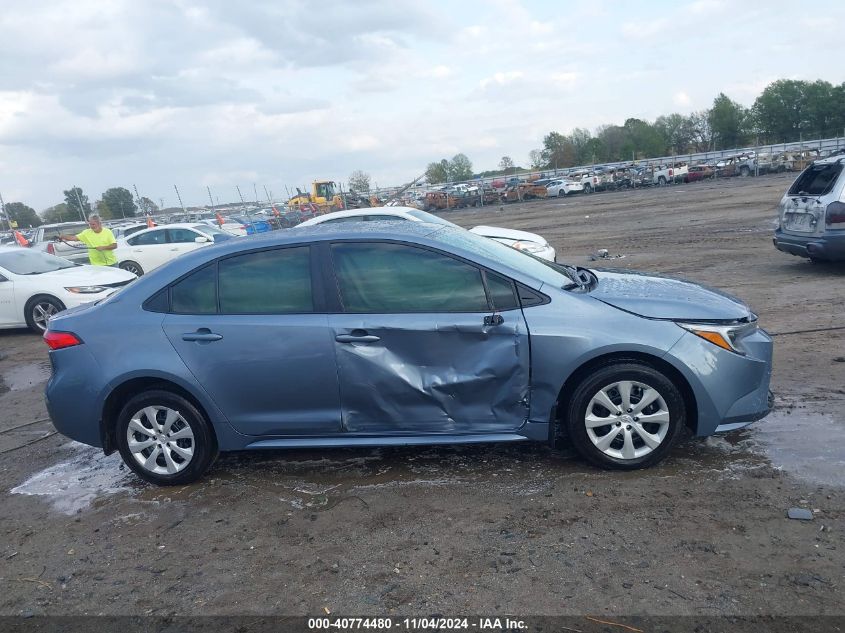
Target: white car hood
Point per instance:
(508, 234)
(87, 276)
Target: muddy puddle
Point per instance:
(79, 481)
(810, 446)
(805, 444)
(24, 376)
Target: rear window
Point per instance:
(816, 180)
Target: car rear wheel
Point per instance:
(625, 416)
(164, 439)
(39, 310)
(561, 193)
(588, 188)
(132, 267)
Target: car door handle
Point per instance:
(494, 319)
(175, 249)
(202, 335)
(352, 338)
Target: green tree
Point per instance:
(612, 139)
(641, 140)
(437, 172)
(77, 202)
(359, 181)
(120, 202)
(558, 151)
(60, 213)
(146, 205)
(780, 110)
(728, 122)
(506, 165)
(460, 168)
(24, 215)
(700, 133)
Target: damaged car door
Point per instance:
(426, 342)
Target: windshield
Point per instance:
(27, 262)
(540, 269)
(428, 217)
(211, 231)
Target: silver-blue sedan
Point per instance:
(399, 334)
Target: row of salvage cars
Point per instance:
(416, 331)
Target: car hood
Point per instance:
(658, 297)
(87, 276)
(507, 234)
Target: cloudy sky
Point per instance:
(102, 93)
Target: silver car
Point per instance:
(811, 218)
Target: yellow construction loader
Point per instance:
(323, 198)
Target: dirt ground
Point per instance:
(516, 529)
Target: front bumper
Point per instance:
(829, 246)
(730, 390)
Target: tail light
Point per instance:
(61, 340)
(671, 173)
(835, 215)
(51, 249)
(244, 227)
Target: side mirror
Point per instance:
(200, 239)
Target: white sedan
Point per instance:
(563, 187)
(520, 240)
(35, 285)
(148, 249)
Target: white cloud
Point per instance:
(681, 99)
(274, 92)
(501, 78)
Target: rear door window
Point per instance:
(196, 293)
(145, 239)
(382, 278)
(816, 180)
(267, 282)
(181, 236)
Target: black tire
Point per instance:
(588, 188)
(39, 309)
(745, 172)
(132, 267)
(600, 379)
(203, 442)
(661, 181)
(561, 193)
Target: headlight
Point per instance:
(87, 290)
(530, 247)
(725, 336)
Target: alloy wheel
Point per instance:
(627, 419)
(160, 440)
(42, 312)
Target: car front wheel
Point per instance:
(164, 439)
(39, 310)
(625, 416)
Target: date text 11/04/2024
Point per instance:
(416, 624)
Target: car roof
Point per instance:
(176, 225)
(400, 212)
